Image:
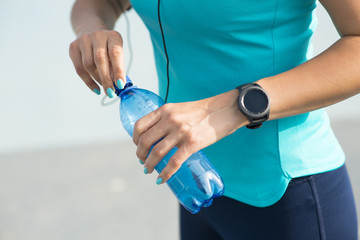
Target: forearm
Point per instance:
(326, 79)
(91, 15)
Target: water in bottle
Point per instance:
(197, 182)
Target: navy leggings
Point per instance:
(314, 207)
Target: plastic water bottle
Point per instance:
(197, 182)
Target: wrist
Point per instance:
(90, 27)
(239, 118)
(226, 104)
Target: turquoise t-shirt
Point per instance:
(214, 46)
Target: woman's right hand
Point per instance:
(98, 58)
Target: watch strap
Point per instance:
(254, 122)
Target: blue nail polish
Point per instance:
(141, 162)
(120, 84)
(146, 171)
(110, 93)
(97, 91)
(159, 181)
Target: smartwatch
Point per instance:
(254, 103)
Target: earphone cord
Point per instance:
(104, 102)
(166, 54)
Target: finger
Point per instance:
(148, 139)
(88, 61)
(76, 58)
(160, 150)
(116, 54)
(145, 123)
(174, 164)
(102, 64)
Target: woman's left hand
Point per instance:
(190, 126)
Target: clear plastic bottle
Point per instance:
(197, 182)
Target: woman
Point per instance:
(284, 173)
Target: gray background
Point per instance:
(67, 168)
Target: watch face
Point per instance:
(255, 101)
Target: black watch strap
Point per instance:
(255, 122)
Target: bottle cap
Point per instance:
(127, 84)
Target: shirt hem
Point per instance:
(277, 194)
(266, 201)
(300, 172)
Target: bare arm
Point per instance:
(326, 79)
(97, 53)
(91, 15)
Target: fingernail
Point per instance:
(97, 91)
(120, 84)
(146, 171)
(110, 93)
(141, 162)
(159, 181)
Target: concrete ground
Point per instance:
(100, 192)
